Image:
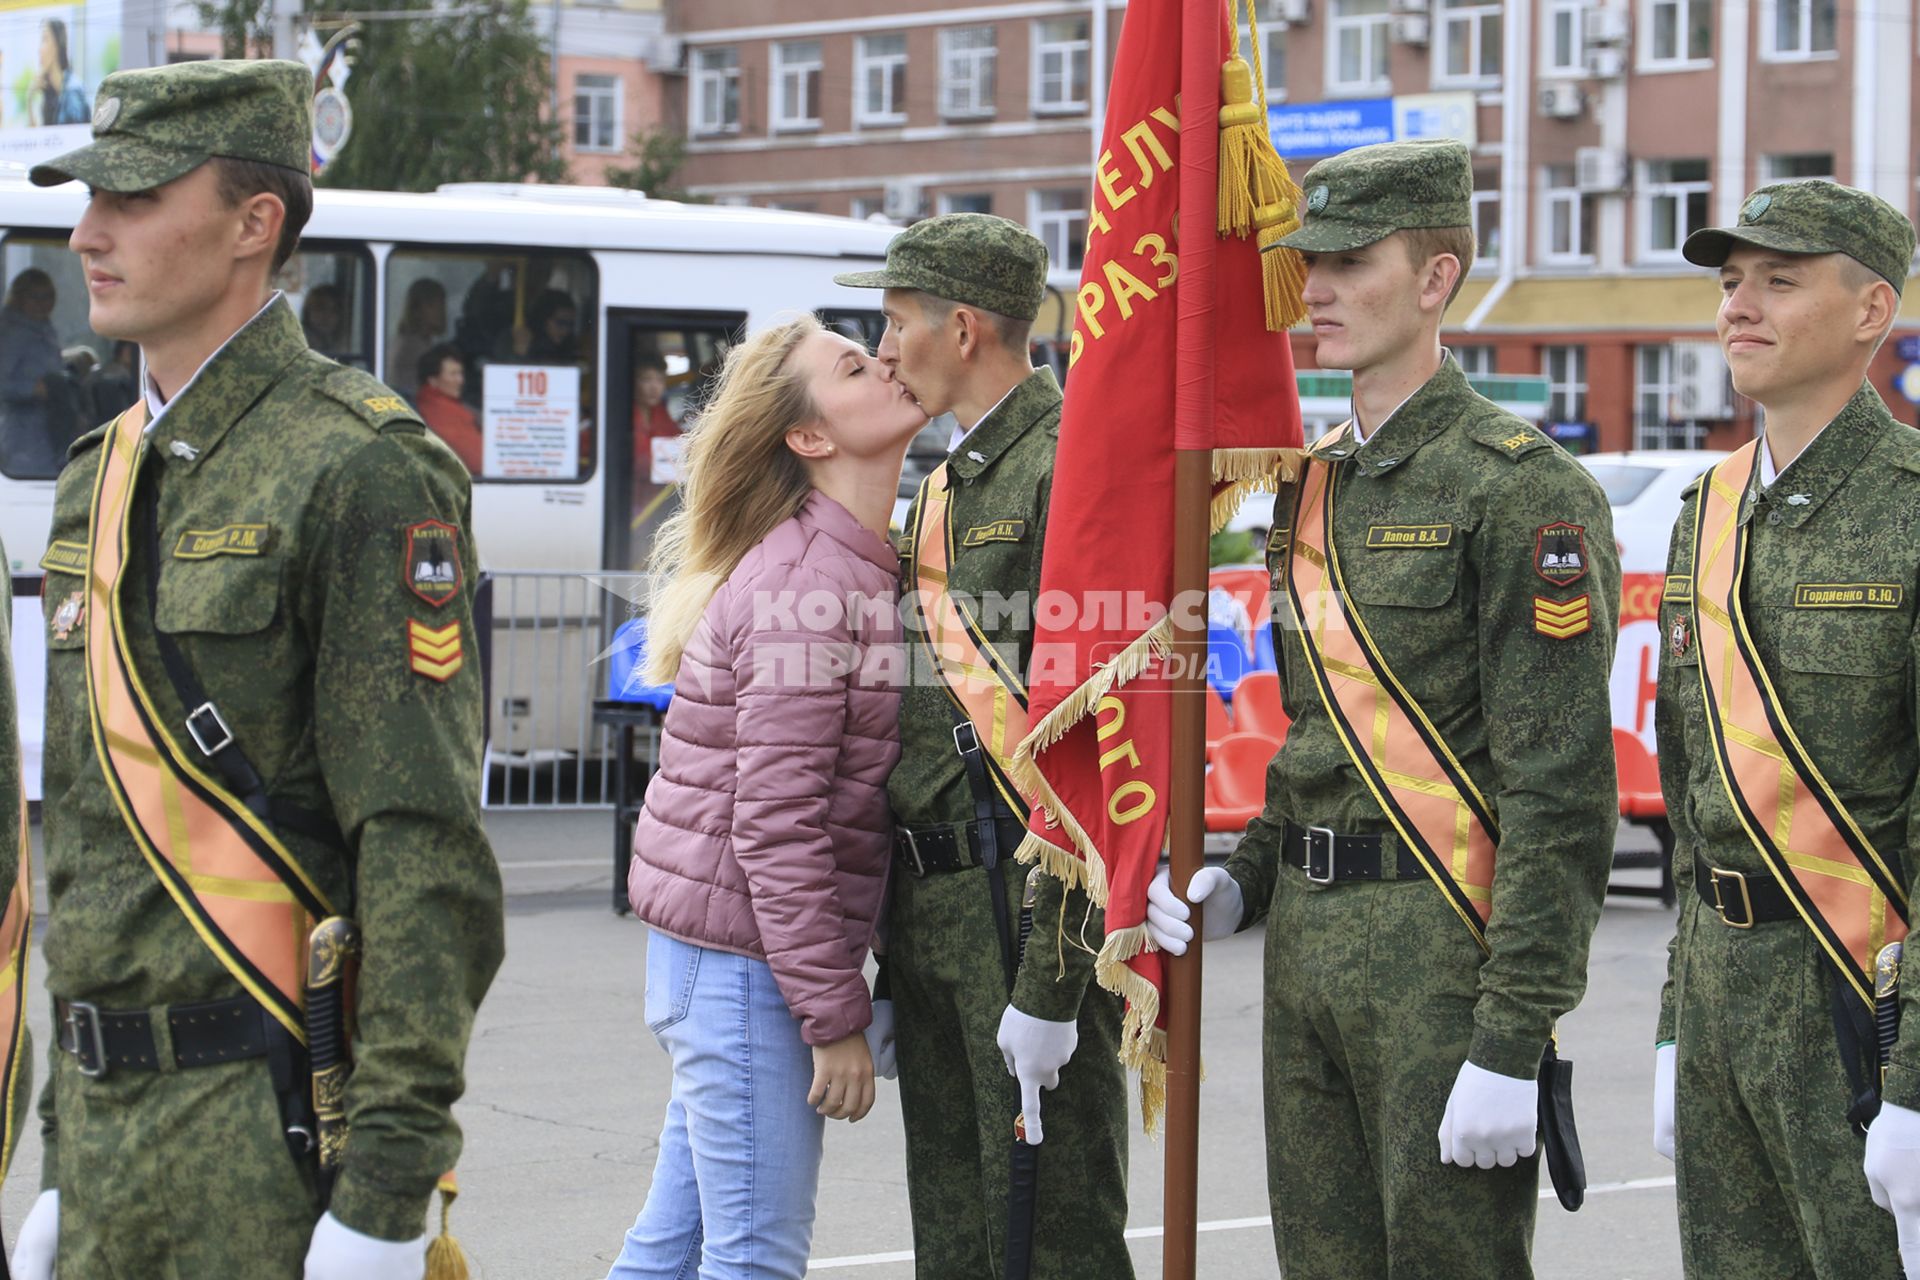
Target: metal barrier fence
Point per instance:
(544, 637)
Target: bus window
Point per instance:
(331, 290)
(498, 351)
(864, 327)
(58, 378)
(672, 363)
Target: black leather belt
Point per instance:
(202, 1034)
(927, 851)
(1741, 899)
(1328, 857)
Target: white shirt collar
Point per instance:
(157, 406)
(1768, 472)
(1353, 410)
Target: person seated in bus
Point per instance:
(323, 318)
(422, 322)
(442, 374)
(36, 398)
(760, 857)
(549, 334)
(652, 420)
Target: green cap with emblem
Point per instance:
(1366, 194)
(156, 124)
(974, 259)
(1815, 217)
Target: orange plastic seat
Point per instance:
(1257, 707)
(1218, 724)
(1640, 797)
(1237, 783)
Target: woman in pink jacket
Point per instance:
(761, 855)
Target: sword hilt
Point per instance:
(1886, 1001)
(332, 950)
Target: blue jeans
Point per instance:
(733, 1188)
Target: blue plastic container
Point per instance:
(626, 668)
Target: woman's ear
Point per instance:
(809, 441)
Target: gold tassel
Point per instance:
(1242, 130)
(445, 1261)
(1256, 193)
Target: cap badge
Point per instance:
(105, 114)
(1756, 208)
(1317, 198)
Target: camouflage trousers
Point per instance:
(1370, 991)
(958, 1102)
(178, 1175)
(1767, 1169)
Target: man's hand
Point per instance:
(1893, 1175)
(1167, 915)
(33, 1252)
(1035, 1050)
(1490, 1119)
(1663, 1100)
(842, 1078)
(880, 1041)
(338, 1252)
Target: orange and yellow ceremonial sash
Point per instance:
(16, 934)
(1418, 782)
(987, 691)
(240, 888)
(1844, 890)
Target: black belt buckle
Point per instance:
(83, 1024)
(911, 850)
(1720, 877)
(1315, 835)
(216, 730)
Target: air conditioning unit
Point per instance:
(1605, 26)
(1561, 101)
(903, 201)
(1605, 63)
(1410, 6)
(1599, 170)
(1410, 28)
(1296, 12)
(664, 54)
(1701, 387)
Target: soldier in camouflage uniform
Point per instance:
(13, 852)
(1481, 559)
(1752, 1093)
(310, 534)
(962, 292)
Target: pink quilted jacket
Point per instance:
(766, 830)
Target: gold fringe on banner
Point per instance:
(1255, 192)
(1239, 472)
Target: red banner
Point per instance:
(1097, 760)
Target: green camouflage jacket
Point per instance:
(1847, 510)
(1002, 479)
(295, 558)
(1527, 713)
(10, 794)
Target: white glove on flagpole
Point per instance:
(1034, 1051)
(39, 1241)
(338, 1252)
(1663, 1100)
(1167, 915)
(1490, 1119)
(1893, 1175)
(886, 1065)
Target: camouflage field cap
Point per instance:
(1815, 217)
(1368, 193)
(971, 258)
(156, 124)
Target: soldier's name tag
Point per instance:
(998, 531)
(228, 540)
(65, 557)
(1408, 537)
(1847, 595)
(1679, 587)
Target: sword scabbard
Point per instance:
(333, 951)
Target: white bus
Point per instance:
(557, 337)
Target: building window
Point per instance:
(1062, 54)
(1357, 46)
(1682, 32)
(1565, 51)
(880, 80)
(1272, 46)
(1566, 372)
(967, 57)
(1797, 29)
(1673, 205)
(1653, 392)
(1807, 167)
(1486, 227)
(1060, 220)
(716, 91)
(796, 85)
(967, 202)
(596, 113)
(1469, 43)
(1569, 216)
(863, 207)
(1475, 361)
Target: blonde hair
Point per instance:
(1424, 244)
(739, 481)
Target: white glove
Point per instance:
(1893, 1175)
(1035, 1050)
(880, 1041)
(1663, 1100)
(39, 1239)
(1167, 915)
(1490, 1119)
(338, 1252)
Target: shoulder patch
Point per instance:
(1908, 462)
(372, 401)
(431, 568)
(1693, 486)
(1508, 436)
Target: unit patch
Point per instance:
(228, 540)
(1679, 587)
(1412, 537)
(386, 404)
(998, 531)
(1518, 440)
(434, 652)
(1847, 595)
(1560, 552)
(65, 557)
(72, 611)
(433, 561)
(1679, 636)
(1563, 619)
